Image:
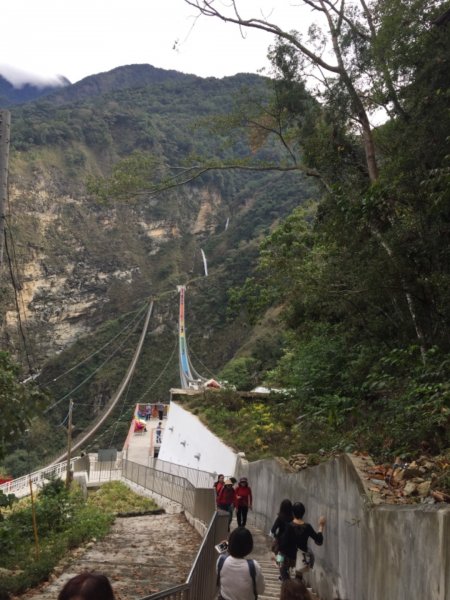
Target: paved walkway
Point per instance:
(140, 555)
(141, 445)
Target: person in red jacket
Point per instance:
(218, 485)
(226, 499)
(244, 501)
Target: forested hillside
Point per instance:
(85, 258)
(363, 273)
(331, 282)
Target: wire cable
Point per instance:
(161, 374)
(99, 350)
(16, 299)
(91, 374)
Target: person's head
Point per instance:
(294, 589)
(298, 510)
(285, 511)
(240, 542)
(243, 481)
(228, 483)
(220, 477)
(233, 480)
(87, 586)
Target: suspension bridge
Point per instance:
(190, 379)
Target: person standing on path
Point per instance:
(226, 499)
(239, 578)
(158, 433)
(243, 502)
(295, 537)
(218, 485)
(160, 411)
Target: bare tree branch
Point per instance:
(206, 8)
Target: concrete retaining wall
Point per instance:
(188, 442)
(370, 552)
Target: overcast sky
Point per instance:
(77, 38)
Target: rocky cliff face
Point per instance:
(76, 262)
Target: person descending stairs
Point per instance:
(262, 553)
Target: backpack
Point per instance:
(251, 568)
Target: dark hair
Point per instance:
(240, 542)
(219, 476)
(285, 511)
(294, 589)
(233, 480)
(87, 586)
(298, 510)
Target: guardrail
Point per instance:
(195, 476)
(20, 487)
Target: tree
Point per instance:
(18, 402)
(361, 61)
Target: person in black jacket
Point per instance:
(295, 538)
(284, 517)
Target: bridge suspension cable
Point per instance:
(116, 397)
(189, 377)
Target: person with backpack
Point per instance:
(244, 501)
(226, 499)
(239, 578)
(296, 537)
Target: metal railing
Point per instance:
(173, 487)
(21, 486)
(100, 471)
(195, 476)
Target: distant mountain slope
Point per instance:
(81, 264)
(11, 95)
(120, 78)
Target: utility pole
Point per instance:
(69, 444)
(33, 513)
(5, 129)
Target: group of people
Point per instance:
(239, 578)
(154, 410)
(232, 494)
(292, 534)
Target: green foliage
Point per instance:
(64, 521)
(241, 373)
(116, 497)
(17, 402)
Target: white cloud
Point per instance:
(18, 77)
(84, 37)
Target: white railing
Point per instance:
(20, 487)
